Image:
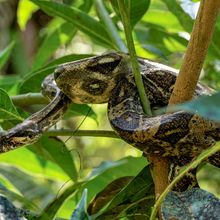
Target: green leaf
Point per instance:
(207, 106)
(32, 82)
(67, 58)
(24, 15)
(80, 19)
(32, 187)
(184, 19)
(7, 109)
(107, 194)
(109, 171)
(53, 41)
(139, 189)
(191, 204)
(10, 83)
(79, 110)
(80, 210)
(137, 10)
(52, 208)
(187, 23)
(56, 151)
(35, 164)
(158, 40)
(4, 54)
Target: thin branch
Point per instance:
(138, 79)
(72, 132)
(29, 99)
(110, 26)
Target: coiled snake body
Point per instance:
(108, 78)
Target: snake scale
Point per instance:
(108, 78)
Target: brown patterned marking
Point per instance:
(105, 67)
(94, 86)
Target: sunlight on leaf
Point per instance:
(80, 19)
(24, 15)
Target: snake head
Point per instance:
(91, 80)
(22, 134)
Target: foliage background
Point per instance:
(32, 40)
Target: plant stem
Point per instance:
(196, 51)
(190, 70)
(29, 99)
(110, 26)
(138, 79)
(71, 132)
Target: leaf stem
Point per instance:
(138, 79)
(112, 31)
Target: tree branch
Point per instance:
(188, 77)
(70, 132)
(29, 99)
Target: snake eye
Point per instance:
(60, 69)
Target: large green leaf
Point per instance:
(31, 186)
(35, 164)
(80, 210)
(80, 19)
(79, 110)
(32, 82)
(185, 20)
(137, 9)
(7, 109)
(191, 204)
(109, 171)
(59, 36)
(156, 36)
(10, 83)
(56, 151)
(24, 15)
(137, 196)
(207, 106)
(4, 54)
(97, 180)
(107, 194)
(187, 23)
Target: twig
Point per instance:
(110, 26)
(29, 99)
(138, 79)
(71, 132)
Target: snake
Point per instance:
(108, 78)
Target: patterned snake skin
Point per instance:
(108, 78)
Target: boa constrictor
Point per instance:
(108, 78)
